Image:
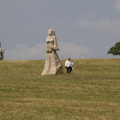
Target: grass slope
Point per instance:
(91, 92)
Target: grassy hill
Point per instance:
(91, 92)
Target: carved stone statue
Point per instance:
(1, 52)
(52, 63)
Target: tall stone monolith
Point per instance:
(1, 52)
(52, 63)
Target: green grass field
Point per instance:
(91, 92)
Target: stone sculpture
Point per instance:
(52, 63)
(1, 52)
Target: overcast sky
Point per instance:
(83, 27)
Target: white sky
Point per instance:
(83, 27)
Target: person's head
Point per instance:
(69, 59)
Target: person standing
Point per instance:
(69, 65)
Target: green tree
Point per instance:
(115, 50)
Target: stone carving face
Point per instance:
(50, 32)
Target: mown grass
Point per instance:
(91, 92)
